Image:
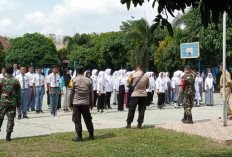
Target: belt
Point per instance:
(39, 86)
(54, 87)
(226, 86)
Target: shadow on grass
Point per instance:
(224, 154)
(104, 136)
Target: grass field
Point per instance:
(118, 143)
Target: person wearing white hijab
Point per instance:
(94, 78)
(87, 74)
(120, 87)
(150, 90)
(101, 91)
(109, 88)
(198, 88)
(160, 89)
(168, 93)
(175, 84)
(209, 89)
(114, 82)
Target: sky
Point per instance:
(67, 17)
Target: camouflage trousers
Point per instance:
(10, 112)
(188, 105)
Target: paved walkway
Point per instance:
(43, 124)
(206, 128)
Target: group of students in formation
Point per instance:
(105, 84)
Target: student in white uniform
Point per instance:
(151, 88)
(209, 89)
(31, 100)
(101, 91)
(175, 88)
(109, 88)
(3, 74)
(16, 70)
(114, 79)
(25, 92)
(198, 86)
(54, 90)
(160, 89)
(120, 87)
(39, 90)
(94, 78)
(168, 93)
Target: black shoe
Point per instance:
(114, 103)
(91, 136)
(189, 120)
(139, 126)
(184, 118)
(78, 138)
(128, 126)
(110, 108)
(19, 117)
(41, 111)
(25, 117)
(33, 110)
(8, 136)
(37, 111)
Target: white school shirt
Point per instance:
(16, 72)
(23, 83)
(54, 80)
(2, 76)
(161, 85)
(31, 78)
(39, 80)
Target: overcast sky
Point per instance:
(64, 17)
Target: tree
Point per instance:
(32, 48)
(210, 10)
(114, 50)
(83, 56)
(142, 40)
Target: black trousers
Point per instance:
(121, 97)
(100, 102)
(95, 98)
(48, 98)
(107, 100)
(161, 99)
(149, 98)
(83, 110)
(134, 101)
(59, 102)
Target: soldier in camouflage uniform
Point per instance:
(187, 91)
(10, 100)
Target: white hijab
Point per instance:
(160, 79)
(209, 81)
(101, 78)
(167, 78)
(94, 74)
(108, 76)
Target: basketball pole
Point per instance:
(224, 110)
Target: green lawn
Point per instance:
(116, 142)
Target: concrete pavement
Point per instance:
(44, 124)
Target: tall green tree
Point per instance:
(142, 40)
(32, 48)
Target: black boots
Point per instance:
(91, 136)
(187, 119)
(8, 136)
(139, 126)
(184, 118)
(78, 138)
(128, 126)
